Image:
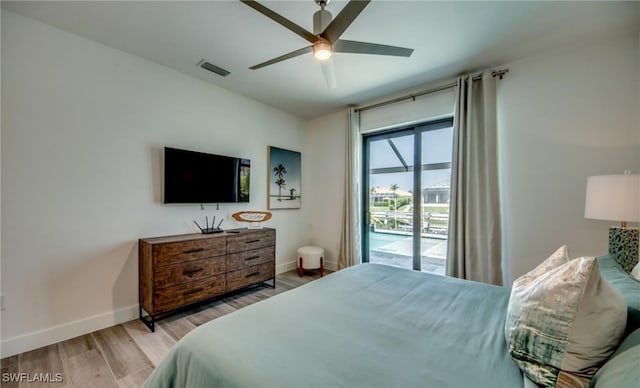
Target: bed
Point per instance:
(366, 326)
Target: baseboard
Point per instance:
(290, 266)
(52, 335)
(286, 267)
(331, 266)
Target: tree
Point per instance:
(280, 170)
(393, 189)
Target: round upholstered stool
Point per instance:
(310, 258)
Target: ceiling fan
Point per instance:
(325, 39)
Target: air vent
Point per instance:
(213, 68)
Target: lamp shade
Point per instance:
(613, 198)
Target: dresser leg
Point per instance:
(321, 266)
(149, 321)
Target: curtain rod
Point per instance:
(412, 96)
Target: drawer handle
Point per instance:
(194, 250)
(191, 272)
(252, 274)
(251, 241)
(252, 258)
(194, 291)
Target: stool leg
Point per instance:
(321, 266)
(300, 268)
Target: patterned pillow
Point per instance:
(563, 324)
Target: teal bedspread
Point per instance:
(628, 287)
(365, 326)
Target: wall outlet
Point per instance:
(1, 302)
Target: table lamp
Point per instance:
(617, 198)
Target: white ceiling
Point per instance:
(449, 38)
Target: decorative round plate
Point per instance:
(251, 216)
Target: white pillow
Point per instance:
(557, 258)
(563, 324)
(635, 272)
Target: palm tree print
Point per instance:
(279, 171)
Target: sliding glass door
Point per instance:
(406, 209)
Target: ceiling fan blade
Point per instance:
(341, 22)
(355, 47)
(281, 58)
(288, 24)
(329, 73)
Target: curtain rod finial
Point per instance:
(499, 73)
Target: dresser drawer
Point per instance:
(246, 259)
(178, 252)
(174, 274)
(251, 240)
(251, 275)
(177, 296)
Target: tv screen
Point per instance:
(197, 177)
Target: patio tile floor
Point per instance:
(399, 254)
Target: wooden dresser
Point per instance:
(179, 271)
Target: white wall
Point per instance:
(83, 126)
(564, 116)
(327, 159)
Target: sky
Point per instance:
(436, 148)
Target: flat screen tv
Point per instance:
(197, 177)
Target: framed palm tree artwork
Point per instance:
(284, 183)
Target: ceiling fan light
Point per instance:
(322, 50)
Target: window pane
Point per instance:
(435, 219)
(385, 155)
(390, 201)
(437, 146)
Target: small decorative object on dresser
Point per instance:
(179, 271)
(253, 217)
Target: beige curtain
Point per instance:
(350, 252)
(474, 245)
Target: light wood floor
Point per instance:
(124, 355)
